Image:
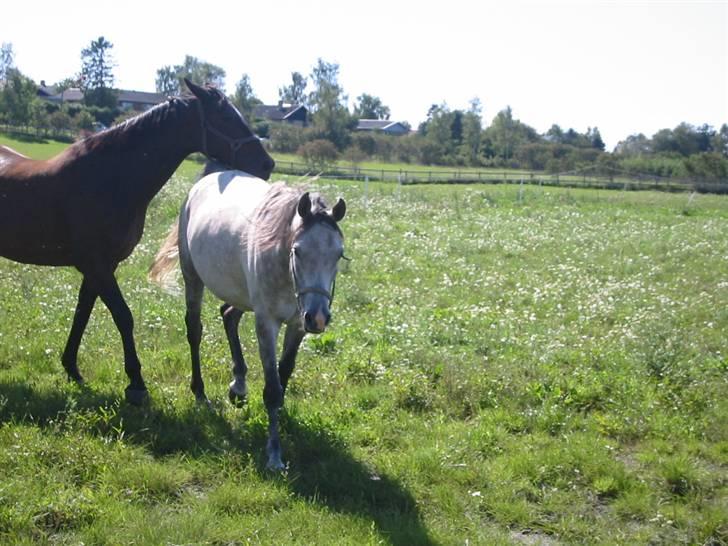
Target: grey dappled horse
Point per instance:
(270, 249)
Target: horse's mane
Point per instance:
(272, 219)
(131, 128)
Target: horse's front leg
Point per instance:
(238, 390)
(86, 300)
(291, 343)
(267, 330)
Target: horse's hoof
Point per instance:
(275, 465)
(136, 397)
(238, 393)
(77, 379)
(237, 400)
(203, 402)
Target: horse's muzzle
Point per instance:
(316, 323)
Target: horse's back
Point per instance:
(216, 221)
(229, 191)
(7, 155)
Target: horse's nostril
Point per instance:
(269, 164)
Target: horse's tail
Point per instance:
(163, 268)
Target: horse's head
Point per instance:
(315, 254)
(226, 136)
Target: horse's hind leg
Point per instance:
(231, 319)
(103, 282)
(86, 300)
(194, 289)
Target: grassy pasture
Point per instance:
(504, 367)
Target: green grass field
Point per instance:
(504, 366)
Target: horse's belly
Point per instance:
(31, 232)
(218, 261)
(227, 287)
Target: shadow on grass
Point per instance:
(321, 471)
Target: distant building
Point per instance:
(126, 100)
(382, 126)
(139, 100)
(296, 114)
(52, 94)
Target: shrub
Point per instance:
(318, 154)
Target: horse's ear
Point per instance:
(304, 205)
(339, 210)
(197, 90)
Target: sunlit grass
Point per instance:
(503, 366)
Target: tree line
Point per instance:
(453, 137)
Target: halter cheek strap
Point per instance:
(234, 143)
(300, 292)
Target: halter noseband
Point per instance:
(234, 143)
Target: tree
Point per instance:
(370, 107)
(633, 145)
(719, 142)
(200, 72)
(506, 134)
(438, 146)
(595, 138)
(6, 60)
(471, 132)
(167, 81)
(170, 79)
(97, 77)
(17, 97)
(555, 134)
(331, 117)
(39, 115)
(67, 83)
(503, 133)
(60, 121)
(296, 92)
(244, 98)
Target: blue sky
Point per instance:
(623, 66)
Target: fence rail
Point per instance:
(58, 134)
(589, 177)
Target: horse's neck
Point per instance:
(167, 144)
(151, 150)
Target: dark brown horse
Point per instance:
(85, 207)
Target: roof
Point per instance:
(373, 124)
(277, 112)
(47, 90)
(141, 97)
(74, 94)
(379, 125)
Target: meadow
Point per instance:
(505, 365)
